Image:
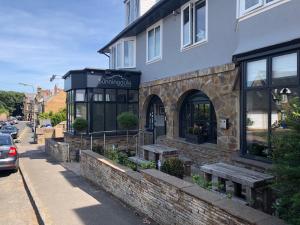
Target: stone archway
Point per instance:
(217, 83)
(197, 118)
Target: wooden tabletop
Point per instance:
(159, 149)
(237, 174)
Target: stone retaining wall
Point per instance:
(199, 154)
(166, 199)
(58, 150)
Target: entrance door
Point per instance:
(198, 119)
(156, 117)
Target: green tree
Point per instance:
(286, 168)
(80, 125)
(55, 118)
(12, 101)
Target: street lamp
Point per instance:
(55, 77)
(27, 85)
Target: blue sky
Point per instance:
(39, 38)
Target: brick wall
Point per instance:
(166, 199)
(56, 102)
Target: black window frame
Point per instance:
(89, 101)
(269, 87)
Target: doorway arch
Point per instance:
(198, 121)
(156, 117)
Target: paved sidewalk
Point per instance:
(63, 197)
(15, 206)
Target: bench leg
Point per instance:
(250, 196)
(215, 182)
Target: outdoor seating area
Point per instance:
(241, 183)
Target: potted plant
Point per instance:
(127, 121)
(80, 125)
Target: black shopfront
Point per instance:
(270, 86)
(99, 96)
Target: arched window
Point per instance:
(198, 119)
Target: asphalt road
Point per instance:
(15, 206)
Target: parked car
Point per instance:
(12, 130)
(9, 157)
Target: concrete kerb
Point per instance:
(40, 210)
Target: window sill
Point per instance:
(260, 9)
(154, 60)
(186, 48)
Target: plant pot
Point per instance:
(192, 138)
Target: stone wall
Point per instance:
(166, 199)
(47, 133)
(198, 154)
(58, 150)
(220, 84)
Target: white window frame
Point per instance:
(113, 58)
(159, 57)
(262, 6)
(193, 43)
(128, 3)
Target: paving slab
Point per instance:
(15, 206)
(63, 197)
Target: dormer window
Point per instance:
(132, 10)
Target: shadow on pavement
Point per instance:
(5, 173)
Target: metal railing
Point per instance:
(114, 133)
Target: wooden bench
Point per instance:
(158, 152)
(137, 160)
(240, 182)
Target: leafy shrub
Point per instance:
(148, 165)
(174, 167)
(55, 118)
(286, 168)
(199, 180)
(80, 125)
(127, 120)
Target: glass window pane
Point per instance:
(157, 42)
(151, 44)
(81, 111)
(251, 3)
(257, 73)
(110, 95)
(186, 27)
(98, 95)
(283, 99)
(119, 55)
(80, 95)
(200, 20)
(122, 96)
(284, 69)
(134, 108)
(257, 123)
(121, 108)
(110, 117)
(128, 53)
(98, 117)
(133, 96)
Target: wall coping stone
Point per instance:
(200, 193)
(166, 178)
(191, 75)
(241, 211)
(234, 208)
(107, 161)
